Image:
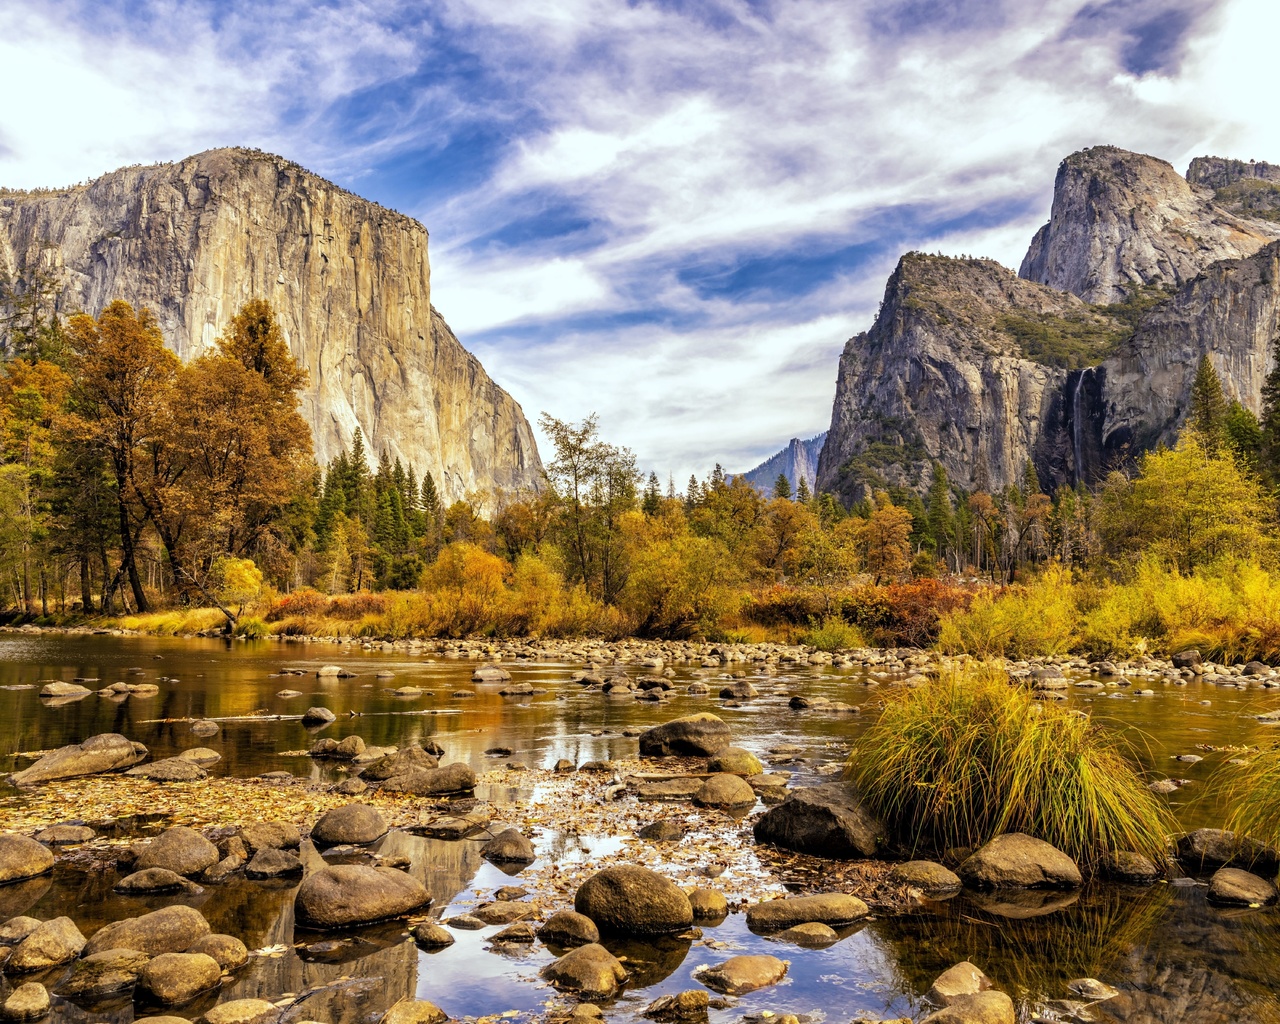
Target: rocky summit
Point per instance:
(349, 280)
(1085, 358)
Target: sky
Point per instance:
(672, 214)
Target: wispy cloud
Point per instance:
(670, 213)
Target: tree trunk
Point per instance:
(128, 562)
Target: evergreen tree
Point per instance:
(693, 495)
(1208, 413)
(651, 505)
(782, 487)
(940, 514)
(1030, 480)
(1269, 450)
(1243, 434)
(803, 495)
(430, 501)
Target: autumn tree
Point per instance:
(884, 539)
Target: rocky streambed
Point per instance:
(633, 835)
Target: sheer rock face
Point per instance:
(349, 280)
(938, 376)
(1123, 220)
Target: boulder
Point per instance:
(168, 930)
(742, 974)
(503, 912)
(242, 1011)
(925, 875)
(346, 749)
(662, 831)
(170, 769)
(181, 850)
(107, 752)
(318, 716)
(1228, 885)
(490, 674)
(736, 761)
(1186, 659)
(414, 1011)
(568, 928)
(172, 979)
(452, 778)
(61, 689)
(354, 824)
(1017, 860)
(21, 857)
(402, 761)
(690, 1005)
(509, 847)
(104, 974)
(724, 792)
(16, 929)
(1207, 849)
(962, 979)
(631, 900)
(57, 941)
(204, 728)
(269, 835)
(1127, 866)
(201, 755)
(65, 835)
(700, 735)
(267, 863)
(429, 935)
(813, 934)
(229, 951)
(26, 1002)
(989, 1007)
(154, 882)
(740, 690)
(521, 932)
(825, 821)
(708, 905)
(591, 971)
(350, 894)
(833, 909)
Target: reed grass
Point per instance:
(969, 756)
(1252, 791)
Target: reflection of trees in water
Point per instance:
(1176, 959)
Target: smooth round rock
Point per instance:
(962, 979)
(414, 1011)
(270, 835)
(700, 735)
(230, 952)
(26, 1002)
(832, 909)
(1127, 866)
(509, 847)
(152, 881)
(104, 974)
(708, 905)
(168, 930)
(65, 835)
(268, 863)
(354, 824)
(725, 791)
(568, 928)
(21, 857)
(813, 934)
(631, 900)
(1017, 860)
(989, 1007)
(591, 971)
(926, 875)
(430, 935)
(181, 850)
(736, 761)
(1236, 887)
(351, 894)
(54, 942)
(172, 979)
(242, 1011)
(741, 974)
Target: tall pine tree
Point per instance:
(1208, 413)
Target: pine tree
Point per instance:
(940, 514)
(1269, 450)
(430, 502)
(693, 495)
(651, 504)
(1030, 480)
(803, 495)
(782, 487)
(1208, 413)
(1243, 434)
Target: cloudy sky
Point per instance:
(671, 213)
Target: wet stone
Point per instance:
(242, 1011)
(414, 1011)
(662, 831)
(104, 974)
(229, 951)
(29, 1001)
(741, 974)
(172, 979)
(591, 971)
(812, 934)
(356, 824)
(568, 928)
(430, 935)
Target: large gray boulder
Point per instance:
(57, 941)
(108, 752)
(1014, 860)
(347, 895)
(182, 850)
(631, 900)
(21, 858)
(357, 824)
(452, 778)
(700, 735)
(168, 930)
(834, 909)
(825, 821)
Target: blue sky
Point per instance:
(671, 213)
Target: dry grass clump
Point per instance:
(969, 756)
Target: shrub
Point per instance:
(356, 606)
(300, 602)
(969, 757)
(832, 634)
(1018, 622)
(251, 628)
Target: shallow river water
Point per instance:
(1174, 956)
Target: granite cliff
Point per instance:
(797, 461)
(1083, 360)
(350, 282)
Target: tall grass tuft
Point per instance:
(970, 756)
(832, 634)
(1252, 789)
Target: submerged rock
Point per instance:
(963, 979)
(104, 974)
(107, 752)
(631, 900)
(812, 934)
(154, 882)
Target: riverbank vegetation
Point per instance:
(136, 486)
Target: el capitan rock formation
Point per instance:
(350, 282)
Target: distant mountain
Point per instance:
(798, 461)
